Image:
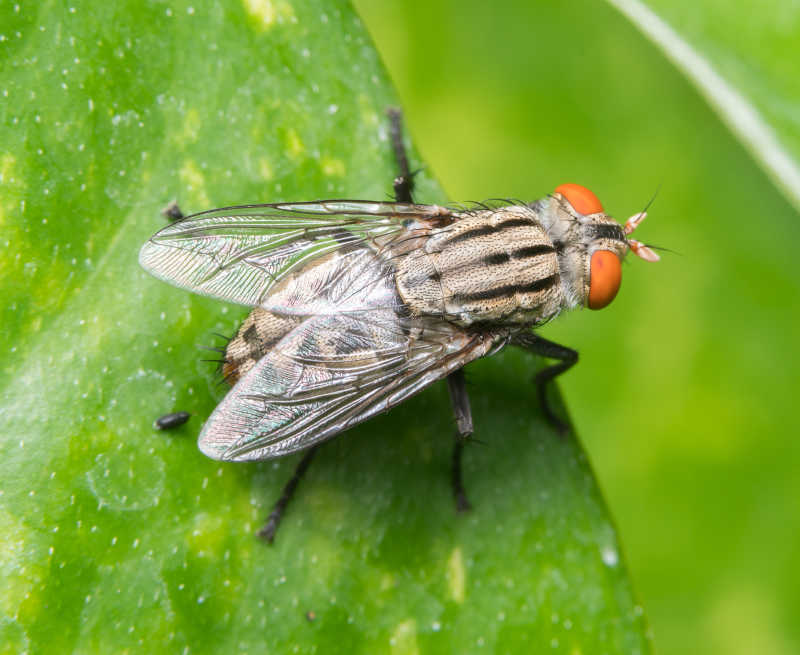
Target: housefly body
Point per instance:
(358, 305)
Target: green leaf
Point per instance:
(117, 537)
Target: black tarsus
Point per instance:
(456, 385)
(544, 348)
(171, 421)
(172, 211)
(459, 493)
(270, 527)
(404, 182)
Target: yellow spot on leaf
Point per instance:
(24, 567)
(7, 163)
(7, 178)
(404, 639)
(208, 533)
(456, 576)
(294, 146)
(366, 110)
(194, 180)
(332, 167)
(191, 126)
(265, 13)
(265, 169)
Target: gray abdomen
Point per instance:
(489, 266)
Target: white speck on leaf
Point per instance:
(610, 556)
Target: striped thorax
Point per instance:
(517, 265)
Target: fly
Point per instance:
(358, 305)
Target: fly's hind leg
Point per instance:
(567, 358)
(270, 527)
(456, 384)
(404, 182)
(256, 336)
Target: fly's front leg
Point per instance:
(456, 384)
(544, 348)
(404, 182)
(270, 527)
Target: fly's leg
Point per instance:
(567, 358)
(173, 212)
(403, 189)
(404, 182)
(460, 401)
(270, 527)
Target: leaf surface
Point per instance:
(118, 537)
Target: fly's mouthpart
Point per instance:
(637, 247)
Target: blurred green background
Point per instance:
(684, 396)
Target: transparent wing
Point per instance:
(330, 373)
(240, 254)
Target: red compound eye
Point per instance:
(605, 276)
(582, 200)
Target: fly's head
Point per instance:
(590, 244)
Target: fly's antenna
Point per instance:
(663, 249)
(650, 202)
(643, 251)
(640, 249)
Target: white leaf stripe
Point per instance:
(736, 111)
